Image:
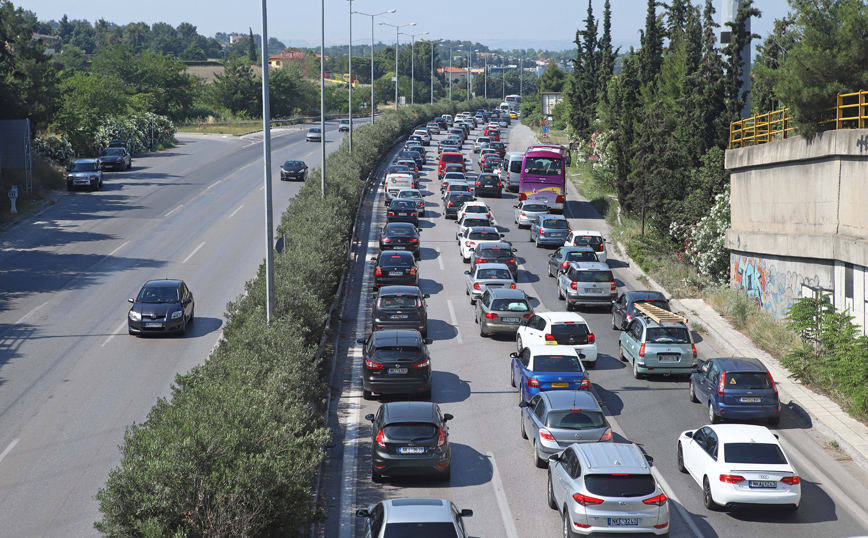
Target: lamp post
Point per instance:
(372, 53)
(397, 28)
(469, 72)
(502, 84)
(350, 59)
(322, 98)
(266, 158)
(413, 66)
(484, 73)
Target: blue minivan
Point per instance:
(737, 388)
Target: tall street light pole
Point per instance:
(397, 28)
(372, 53)
(469, 72)
(502, 81)
(266, 159)
(322, 97)
(413, 66)
(351, 75)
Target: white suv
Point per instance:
(559, 328)
(424, 135)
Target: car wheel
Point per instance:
(447, 475)
(707, 499)
(550, 494)
(376, 477)
(680, 456)
(367, 395)
(712, 416)
(550, 270)
(537, 242)
(538, 461)
(569, 307)
(614, 325)
(69, 187)
(621, 353)
(636, 373)
(774, 421)
(482, 330)
(511, 377)
(184, 327)
(466, 291)
(472, 301)
(523, 431)
(560, 293)
(568, 532)
(691, 393)
(518, 344)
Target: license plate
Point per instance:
(551, 343)
(623, 521)
(399, 248)
(762, 484)
(510, 320)
(153, 324)
(593, 290)
(402, 213)
(540, 198)
(668, 358)
(411, 450)
(560, 385)
(401, 316)
(396, 273)
(750, 400)
(397, 370)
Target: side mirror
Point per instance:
(529, 298)
(361, 340)
(447, 416)
(372, 296)
(466, 513)
(187, 301)
(601, 403)
(362, 513)
(131, 300)
(554, 458)
(472, 249)
(426, 296)
(515, 206)
(522, 404)
(370, 417)
(429, 340)
(466, 272)
(649, 459)
(689, 434)
(513, 355)
(523, 323)
(374, 259)
(552, 255)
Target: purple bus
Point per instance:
(543, 178)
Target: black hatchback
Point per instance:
(395, 267)
(293, 170)
(453, 202)
(624, 308)
(400, 307)
(495, 252)
(410, 438)
(400, 236)
(396, 362)
(403, 210)
(162, 306)
(489, 185)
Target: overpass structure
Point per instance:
(800, 220)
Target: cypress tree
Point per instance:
(607, 56)
(651, 53)
(251, 49)
(735, 98)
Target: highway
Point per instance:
(71, 378)
(492, 468)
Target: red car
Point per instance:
(449, 158)
(492, 133)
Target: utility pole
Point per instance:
(397, 28)
(266, 159)
(372, 53)
(351, 76)
(322, 137)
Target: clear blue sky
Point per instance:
(547, 24)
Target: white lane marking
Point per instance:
(214, 184)
(440, 258)
(27, 315)
(112, 253)
(454, 321)
(502, 504)
(115, 333)
(195, 250)
(177, 208)
(354, 404)
(9, 449)
(236, 211)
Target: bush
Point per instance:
(55, 149)
(235, 450)
(143, 131)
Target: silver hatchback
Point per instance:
(501, 310)
(487, 276)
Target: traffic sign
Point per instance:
(545, 128)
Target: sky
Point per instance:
(506, 24)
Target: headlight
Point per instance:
(135, 316)
(178, 314)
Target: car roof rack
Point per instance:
(659, 315)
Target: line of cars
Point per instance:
(88, 173)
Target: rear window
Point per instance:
(410, 194)
(482, 139)
(594, 276)
(420, 530)
(494, 274)
(631, 485)
(581, 257)
(587, 240)
(515, 167)
(460, 198)
(564, 331)
(556, 224)
(484, 236)
(510, 305)
(476, 222)
(582, 419)
(403, 205)
(747, 380)
(494, 253)
(667, 335)
(755, 453)
(476, 209)
(448, 158)
(556, 363)
(659, 304)
(410, 431)
(535, 207)
(394, 260)
(398, 301)
(398, 353)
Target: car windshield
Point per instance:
(542, 166)
(556, 224)
(747, 381)
(667, 335)
(84, 167)
(575, 419)
(410, 431)
(587, 240)
(158, 295)
(594, 276)
(483, 236)
(493, 274)
(580, 256)
(410, 194)
(114, 152)
(620, 485)
(535, 208)
(345, 121)
(394, 260)
(495, 252)
(565, 331)
(754, 453)
(293, 164)
(398, 301)
(441, 529)
(315, 130)
(556, 363)
(510, 305)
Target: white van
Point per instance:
(396, 183)
(513, 162)
(504, 107)
(449, 120)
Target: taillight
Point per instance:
(373, 365)
(565, 264)
(775, 387)
(412, 271)
(693, 347)
(791, 480)
(386, 240)
(628, 317)
(642, 350)
(607, 436)
(421, 204)
(533, 383)
(424, 364)
(477, 184)
(550, 338)
(586, 384)
(378, 272)
(500, 184)
(720, 385)
(512, 285)
(490, 315)
(509, 261)
(381, 439)
(542, 232)
(527, 316)
(416, 214)
(602, 247)
(613, 286)
(523, 214)
(545, 434)
(731, 478)
(522, 197)
(414, 239)
(592, 338)
(585, 500)
(481, 261)
(391, 213)
(574, 286)
(659, 500)
(560, 199)
(449, 204)
(476, 285)
(441, 439)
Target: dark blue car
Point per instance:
(735, 388)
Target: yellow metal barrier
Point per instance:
(850, 112)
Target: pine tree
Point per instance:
(251, 49)
(677, 21)
(769, 56)
(712, 125)
(607, 56)
(574, 90)
(651, 53)
(739, 41)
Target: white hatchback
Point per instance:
(424, 135)
(588, 238)
(559, 328)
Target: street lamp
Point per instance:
(266, 161)
(397, 28)
(322, 98)
(372, 54)
(413, 66)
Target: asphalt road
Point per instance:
(71, 378)
(492, 469)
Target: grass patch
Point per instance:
(46, 176)
(231, 129)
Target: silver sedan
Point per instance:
(527, 210)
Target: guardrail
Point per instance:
(849, 112)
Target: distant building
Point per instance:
(454, 74)
(49, 41)
(287, 57)
(235, 39)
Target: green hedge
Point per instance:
(235, 450)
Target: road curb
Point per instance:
(50, 201)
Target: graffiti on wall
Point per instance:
(774, 290)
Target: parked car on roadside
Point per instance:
(117, 158)
(84, 173)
